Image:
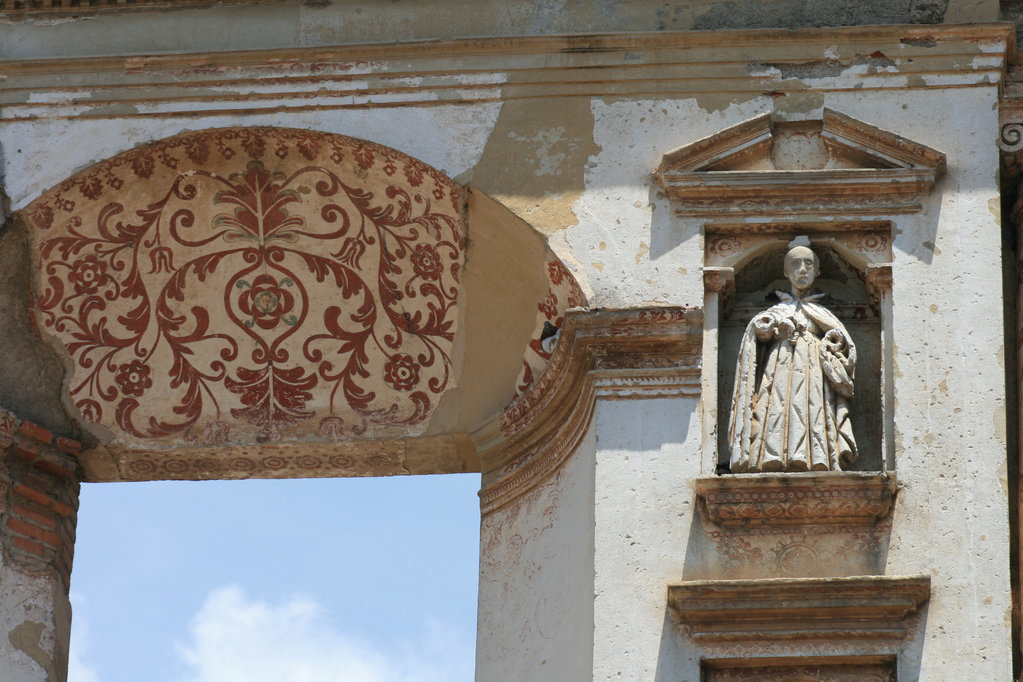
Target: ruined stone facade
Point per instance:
(295, 239)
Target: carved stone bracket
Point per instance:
(796, 499)
(605, 354)
(718, 279)
(1010, 137)
(785, 609)
(879, 279)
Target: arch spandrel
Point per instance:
(236, 302)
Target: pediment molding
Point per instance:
(600, 354)
(833, 166)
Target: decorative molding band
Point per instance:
(601, 354)
(796, 499)
(784, 609)
(490, 70)
(11, 9)
(383, 457)
(830, 668)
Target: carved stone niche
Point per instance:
(851, 290)
(754, 187)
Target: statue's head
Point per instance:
(801, 267)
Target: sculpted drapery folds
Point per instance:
(793, 381)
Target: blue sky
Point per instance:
(354, 580)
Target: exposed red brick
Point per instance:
(31, 514)
(27, 449)
(36, 431)
(43, 499)
(54, 465)
(43, 484)
(47, 536)
(29, 546)
(71, 447)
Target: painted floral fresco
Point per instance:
(253, 285)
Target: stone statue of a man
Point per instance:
(793, 380)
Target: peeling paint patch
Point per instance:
(876, 62)
(644, 249)
(999, 420)
(994, 207)
(542, 153)
(26, 638)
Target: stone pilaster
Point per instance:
(38, 510)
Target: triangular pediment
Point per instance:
(832, 165)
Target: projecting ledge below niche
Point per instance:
(797, 499)
(783, 609)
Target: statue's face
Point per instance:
(801, 267)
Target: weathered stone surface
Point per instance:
(556, 138)
(764, 611)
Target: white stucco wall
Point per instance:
(536, 580)
(647, 452)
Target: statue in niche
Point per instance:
(793, 381)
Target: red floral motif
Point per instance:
(556, 272)
(142, 166)
(197, 151)
(267, 302)
(252, 299)
(564, 293)
(133, 378)
(308, 147)
(549, 306)
(331, 428)
(42, 216)
(88, 274)
(426, 262)
(92, 187)
(364, 156)
(401, 372)
(414, 174)
(254, 145)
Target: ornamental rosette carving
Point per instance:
(253, 285)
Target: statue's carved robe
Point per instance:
(789, 406)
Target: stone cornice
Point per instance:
(861, 608)
(606, 354)
(12, 9)
(471, 71)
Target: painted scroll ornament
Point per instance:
(253, 285)
(793, 382)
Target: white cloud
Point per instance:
(237, 639)
(78, 669)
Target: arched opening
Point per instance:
(252, 303)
